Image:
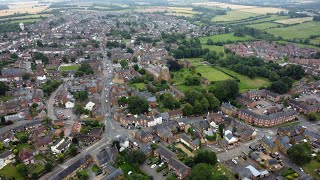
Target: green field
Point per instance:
(225, 38)
(214, 48)
(26, 20)
(26, 17)
(180, 76)
(212, 74)
(265, 25)
(300, 31)
(195, 61)
(315, 41)
(247, 83)
(70, 68)
(138, 85)
(220, 169)
(311, 166)
(234, 16)
(10, 172)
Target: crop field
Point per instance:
(211, 73)
(32, 7)
(223, 5)
(180, 11)
(263, 10)
(234, 16)
(294, 20)
(149, 9)
(262, 26)
(247, 83)
(225, 38)
(300, 31)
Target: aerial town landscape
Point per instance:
(160, 89)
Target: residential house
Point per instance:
(228, 109)
(143, 136)
(283, 143)
(26, 156)
(268, 143)
(60, 146)
(192, 144)
(106, 157)
(175, 114)
(6, 157)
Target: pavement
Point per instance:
(51, 102)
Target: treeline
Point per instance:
(123, 34)
(115, 44)
(172, 38)
(9, 27)
(316, 18)
(189, 49)
(243, 31)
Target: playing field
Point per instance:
(225, 38)
(214, 48)
(211, 73)
(294, 20)
(262, 26)
(234, 16)
(303, 30)
(70, 67)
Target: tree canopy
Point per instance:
(137, 105)
(205, 156)
(201, 171)
(300, 153)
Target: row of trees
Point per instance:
(84, 69)
(189, 49)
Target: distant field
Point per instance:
(234, 16)
(263, 26)
(211, 73)
(180, 11)
(263, 10)
(225, 37)
(26, 17)
(303, 30)
(26, 20)
(261, 20)
(31, 7)
(149, 9)
(224, 5)
(70, 67)
(179, 14)
(214, 48)
(315, 41)
(294, 20)
(247, 83)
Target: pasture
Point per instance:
(294, 20)
(300, 31)
(262, 26)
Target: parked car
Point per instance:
(153, 166)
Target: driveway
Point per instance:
(152, 172)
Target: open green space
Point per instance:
(247, 83)
(212, 74)
(26, 20)
(26, 17)
(311, 166)
(220, 169)
(180, 76)
(138, 85)
(195, 61)
(225, 38)
(95, 168)
(70, 68)
(214, 48)
(21, 134)
(300, 31)
(315, 41)
(261, 19)
(234, 16)
(265, 25)
(35, 168)
(10, 172)
(24, 146)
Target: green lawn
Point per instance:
(234, 16)
(265, 25)
(195, 61)
(214, 48)
(95, 168)
(70, 68)
(10, 172)
(24, 146)
(38, 157)
(261, 20)
(126, 167)
(35, 168)
(219, 169)
(180, 76)
(21, 134)
(211, 73)
(309, 168)
(225, 38)
(25, 20)
(301, 31)
(138, 85)
(315, 41)
(5, 98)
(184, 88)
(247, 83)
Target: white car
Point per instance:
(106, 101)
(301, 169)
(161, 164)
(153, 166)
(105, 89)
(130, 172)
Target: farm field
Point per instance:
(262, 26)
(315, 41)
(36, 16)
(225, 37)
(212, 74)
(261, 19)
(32, 7)
(234, 16)
(181, 11)
(263, 10)
(247, 83)
(148, 9)
(300, 31)
(26, 20)
(70, 67)
(294, 20)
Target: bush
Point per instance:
(296, 175)
(289, 177)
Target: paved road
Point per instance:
(51, 102)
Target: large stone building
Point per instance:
(158, 72)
